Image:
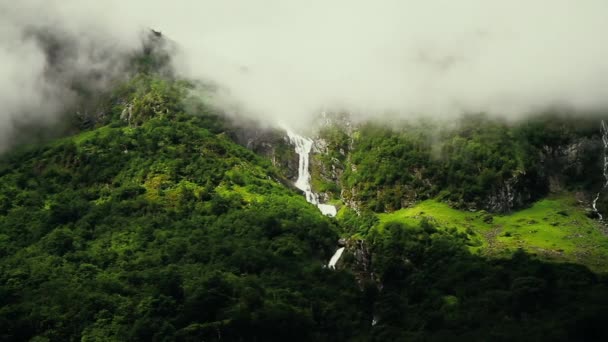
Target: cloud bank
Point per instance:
(284, 61)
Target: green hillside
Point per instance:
(556, 228)
(473, 163)
(162, 229)
(155, 225)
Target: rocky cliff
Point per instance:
(460, 166)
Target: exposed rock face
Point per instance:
(572, 165)
(326, 160)
(571, 162)
(576, 163)
(349, 197)
(273, 144)
(362, 261)
(511, 194)
(326, 169)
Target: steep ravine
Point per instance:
(303, 148)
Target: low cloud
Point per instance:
(284, 61)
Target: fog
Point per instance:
(285, 61)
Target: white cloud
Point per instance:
(284, 60)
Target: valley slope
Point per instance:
(153, 223)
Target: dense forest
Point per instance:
(477, 163)
(161, 228)
(153, 224)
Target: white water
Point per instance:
(604, 130)
(303, 147)
(334, 258)
(327, 209)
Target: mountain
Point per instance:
(476, 163)
(535, 184)
(157, 218)
(110, 232)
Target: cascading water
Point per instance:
(303, 147)
(604, 130)
(334, 258)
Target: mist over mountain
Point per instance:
(303, 171)
(285, 61)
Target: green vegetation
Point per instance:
(162, 229)
(156, 226)
(434, 289)
(330, 161)
(555, 228)
(478, 163)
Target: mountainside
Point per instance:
(536, 184)
(163, 220)
(476, 163)
(159, 226)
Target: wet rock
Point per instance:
(362, 262)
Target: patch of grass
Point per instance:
(555, 228)
(249, 197)
(90, 135)
(341, 212)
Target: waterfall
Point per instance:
(604, 130)
(327, 209)
(334, 258)
(303, 147)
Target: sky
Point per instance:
(283, 61)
